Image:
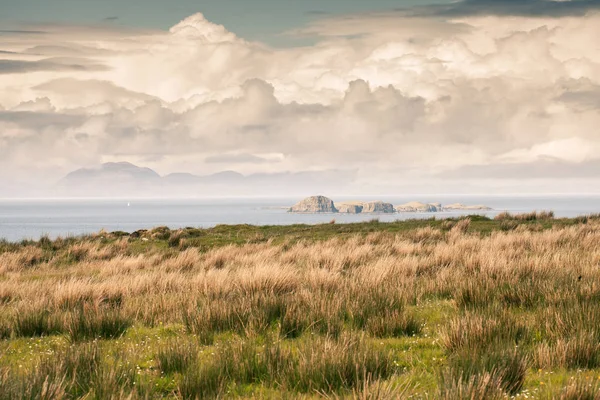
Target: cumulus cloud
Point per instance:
(397, 99)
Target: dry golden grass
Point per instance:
(484, 295)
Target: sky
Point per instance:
(264, 20)
(403, 96)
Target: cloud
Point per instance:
(41, 104)
(229, 159)
(532, 8)
(50, 64)
(549, 169)
(584, 100)
(37, 121)
(20, 32)
(401, 100)
(87, 93)
(66, 50)
(197, 27)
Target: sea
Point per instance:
(33, 218)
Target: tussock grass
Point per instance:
(473, 332)
(93, 324)
(581, 389)
(176, 356)
(505, 368)
(465, 308)
(31, 322)
(485, 386)
(321, 365)
(532, 216)
(77, 372)
(377, 390)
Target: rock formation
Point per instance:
(462, 207)
(415, 206)
(349, 208)
(321, 204)
(313, 205)
(378, 207)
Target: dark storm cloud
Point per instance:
(531, 8)
(20, 67)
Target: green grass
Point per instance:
(223, 235)
(437, 325)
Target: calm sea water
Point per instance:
(20, 219)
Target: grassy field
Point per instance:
(455, 309)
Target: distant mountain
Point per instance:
(110, 179)
(181, 178)
(224, 177)
(119, 171)
(124, 179)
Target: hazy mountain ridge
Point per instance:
(119, 170)
(127, 179)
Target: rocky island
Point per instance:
(371, 207)
(350, 208)
(459, 207)
(378, 207)
(415, 206)
(314, 205)
(322, 204)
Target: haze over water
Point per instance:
(30, 219)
